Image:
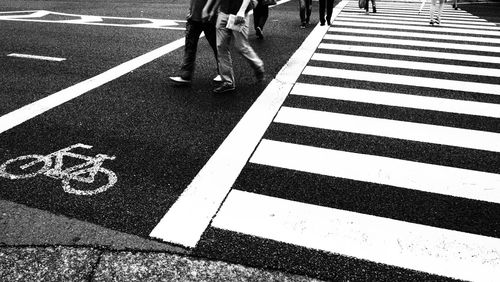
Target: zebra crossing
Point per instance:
(395, 61)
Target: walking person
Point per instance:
(305, 8)
(195, 25)
(325, 5)
(260, 15)
(373, 7)
(225, 35)
(432, 9)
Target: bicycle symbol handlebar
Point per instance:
(52, 166)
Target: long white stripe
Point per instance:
(456, 182)
(34, 109)
(466, 26)
(456, 85)
(411, 53)
(404, 64)
(402, 13)
(429, 249)
(417, 43)
(489, 40)
(415, 18)
(397, 100)
(183, 224)
(466, 138)
(426, 28)
(36, 57)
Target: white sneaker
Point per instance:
(180, 80)
(218, 78)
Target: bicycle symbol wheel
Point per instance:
(111, 180)
(25, 167)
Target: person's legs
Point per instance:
(329, 11)
(322, 7)
(309, 10)
(302, 12)
(440, 11)
(223, 49)
(193, 31)
(243, 46)
(211, 36)
(374, 6)
(431, 11)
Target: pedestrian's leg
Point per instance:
(263, 18)
(211, 36)
(431, 11)
(366, 6)
(329, 10)
(223, 49)
(440, 11)
(374, 6)
(322, 7)
(309, 10)
(243, 46)
(193, 31)
(302, 12)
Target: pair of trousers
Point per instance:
(325, 5)
(193, 31)
(305, 8)
(224, 38)
(366, 5)
(260, 15)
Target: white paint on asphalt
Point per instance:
(475, 21)
(457, 85)
(475, 39)
(416, 43)
(398, 100)
(426, 28)
(34, 109)
(456, 182)
(411, 53)
(420, 132)
(36, 57)
(434, 250)
(192, 213)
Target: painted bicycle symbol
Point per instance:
(86, 170)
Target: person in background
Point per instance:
(305, 7)
(240, 9)
(260, 15)
(326, 5)
(432, 8)
(373, 7)
(195, 25)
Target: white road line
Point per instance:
(466, 26)
(34, 109)
(416, 18)
(475, 39)
(402, 12)
(426, 28)
(456, 182)
(427, 133)
(416, 43)
(411, 53)
(36, 57)
(424, 248)
(183, 224)
(493, 89)
(397, 100)
(405, 64)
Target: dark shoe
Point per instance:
(437, 21)
(180, 81)
(431, 22)
(322, 24)
(259, 33)
(374, 9)
(223, 88)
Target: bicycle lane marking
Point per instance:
(34, 109)
(183, 224)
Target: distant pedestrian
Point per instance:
(325, 5)
(305, 7)
(436, 20)
(367, 10)
(195, 25)
(260, 15)
(238, 9)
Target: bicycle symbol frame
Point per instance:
(84, 172)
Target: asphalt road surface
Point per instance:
(370, 152)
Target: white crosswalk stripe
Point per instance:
(454, 61)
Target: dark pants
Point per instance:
(305, 7)
(193, 31)
(260, 15)
(328, 6)
(366, 5)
